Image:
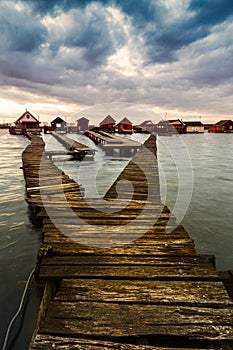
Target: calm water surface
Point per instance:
(19, 242)
(208, 218)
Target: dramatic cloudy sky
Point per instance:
(59, 57)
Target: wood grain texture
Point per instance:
(46, 342)
(152, 289)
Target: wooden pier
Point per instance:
(74, 148)
(97, 137)
(155, 292)
(113, 144)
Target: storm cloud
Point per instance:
(159, 53)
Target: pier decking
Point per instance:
(153, 292)
(74, 148)
(111, 143)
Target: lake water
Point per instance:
(195, 166)
(209, 217)
(19, 242)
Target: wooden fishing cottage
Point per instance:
(125, 126)
(26, 123)
(194, 127)
(108, 124)
(82, 124)
(222, 126)
(165, 128)
(148, 126)
(59, 124)
(178, 125)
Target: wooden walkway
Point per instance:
(74, 148)
(153, 293)
(111, 143)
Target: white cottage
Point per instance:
(194, 127)
(26, 123)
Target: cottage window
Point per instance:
(28, 116)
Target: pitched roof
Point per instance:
(82, 118)
(222, 122)
(147, 122)
(164, 121)
(193, 123)
(58, 120)
(175, 120)
(27, 117)
(125, 121)
(108, 120)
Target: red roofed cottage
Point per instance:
(108, 124)
(125, 126)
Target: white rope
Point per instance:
(18, 311)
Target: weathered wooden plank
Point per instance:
(58, 203)
(106, 220)
(79, 206)
(152, 236)
(196, 293)
(157, 229)
(46, 342)
(71, 244)
(174, 267)
(69, 234)
(111, 257)
(120, 240)
(140, 191)
(132, 272)
(116, 204)
(136, 227)
(88, 212)
(50, 187)
(140, 225)
(72, 247)
(119, 320)
(48, 295)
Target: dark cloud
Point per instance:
(211, 12)
(92, 33)
(145, 11)
(83, 41)
(19, 31)
(89, 34)
(44, 7)
(163, 38)
(142, 11)
(23, 67)
(53, 7)
(163, 45)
